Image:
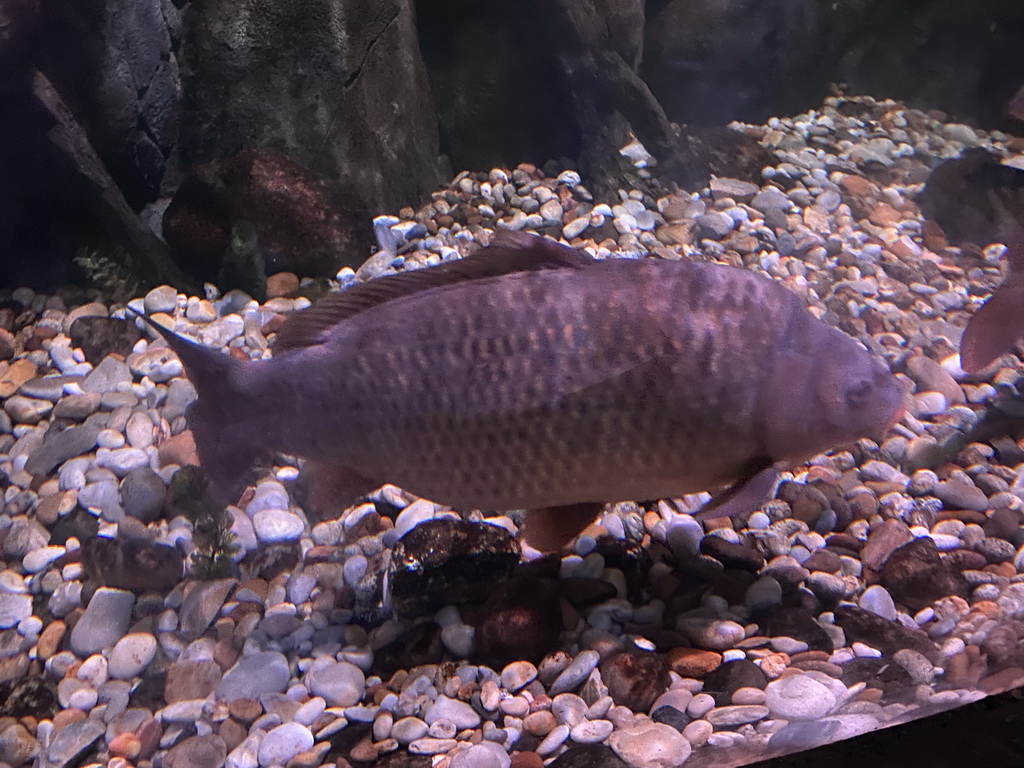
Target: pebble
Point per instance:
(574, 674)
(652, 745)
(798, 697)
(591, 731)
(459, 713)
(283, 743)
(340, 683)
(105, 621)
(131, 655)
(276, 525)
(253, 676)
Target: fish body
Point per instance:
(552, 388)
(975, 198)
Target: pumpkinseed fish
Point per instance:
(532, 376)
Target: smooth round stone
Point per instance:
(339, 683)
(877, 599)
(736, 714)
(254, 676)
(121, 461)
(479, 756)
(798, 697)
(713, 634)
(569, 709)
(574, 674)
(652, 745)
(14, 608)
(458, 640)
(517, 675)
(591, 731)
(698, 732)
(408, 729)
(275, 525)
(131, 654)
(553, 740)
(308, 713)
(748, 695)
(160, 364)
(461, 714)
(700, 705)
(105, 621)
(163, 298)
(27, 410)
(283, 743)
(788, 645)
(38, 559)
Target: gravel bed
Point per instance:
(881, 584)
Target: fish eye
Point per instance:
(858, 392)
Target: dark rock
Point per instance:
(402, 759)
(671, 716)
(583, 592)
(441, 562)
(862, 626)
(101, 336)
(995, 550)
(366, 118)
(31, 695)
(588, 756)
(883, 541)
(916, 575)
(877, 673)
(143, 494)
(722, 682)
(635, 678)
(823, 560)
(959, 192)
(300, 223)
(732, 555)
(419, 645)
(521, 621)
(961, 494)
(59, 446)
(78, 524)
(139, 566)
(271, 560)
(797, 623)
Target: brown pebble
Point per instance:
(50, 639)
(126, 745)
(526, 760)
(539, 723)
(233, 733)
(245, 710)
(363, 751)
(66, 717)
(832, 670)
(178, 449)
(693, 662)
(282, 284)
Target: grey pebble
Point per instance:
(798, 697)
(877, 599)
(253, 676)
(340, 683)
(408, 729)
(106, 376)
(591, 731)
(461, 714)
(574, 674)
(105, 621)
(14, 608)
(737, 714)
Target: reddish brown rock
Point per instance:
(916, 575)
(303, 223)
(635, 678)
(693, 662)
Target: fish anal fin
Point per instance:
(326, 490)
(509, 253)
(994, 328)
(548, 529)
(745, 495)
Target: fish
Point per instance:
(977, 199)
(532, 376)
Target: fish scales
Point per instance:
(649, 379)
(554, 385)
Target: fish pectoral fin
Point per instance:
(550, 528)
(326, 490)
(994, 328)
(745, 495)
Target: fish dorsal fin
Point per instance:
(508, 253)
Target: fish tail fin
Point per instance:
(224, 435)
(994, 328)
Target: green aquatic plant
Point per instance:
(214, 543)
(108, 274)
(243, 265)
